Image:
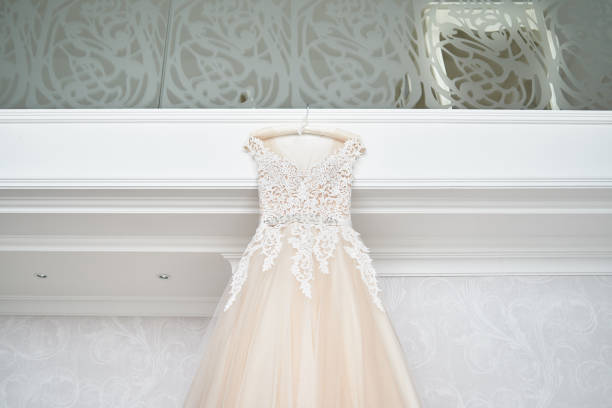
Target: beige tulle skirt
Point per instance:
(274, 347)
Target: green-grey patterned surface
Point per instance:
(544, 54)
(81, 54)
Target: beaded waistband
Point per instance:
(273, 220)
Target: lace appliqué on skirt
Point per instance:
(311, 241)
(308, 239)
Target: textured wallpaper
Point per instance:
(471, 342)
(474, 54)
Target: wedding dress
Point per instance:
(301, 322)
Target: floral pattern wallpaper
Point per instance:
(470, 54)
(471, 342)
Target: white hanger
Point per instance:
(305, 121)
(274, 131)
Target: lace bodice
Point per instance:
(312, 208)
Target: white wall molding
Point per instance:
(499, 192)
(107, 306)
(130, 201)
(65, 243)
(294, 116)
(516, 252)
(407, 200)
(201, 148)
(250, 183)
(478, 263)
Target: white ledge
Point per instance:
(373, 200)
(294, 116)
(202, 148)
(107, 306)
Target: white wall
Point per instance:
(470, 342)
(492, 233)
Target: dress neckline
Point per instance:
(340, 150)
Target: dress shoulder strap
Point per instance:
(253, 146)
(356, 148)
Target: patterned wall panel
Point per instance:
(81, 53)
(471, 342)
(469, 54)
(580, 40)
(486, 57)
(291, 53)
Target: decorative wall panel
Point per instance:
(581, 35)
(540, 54)
(290, 53)
(486, 57)
(81, 53)
(471, 342)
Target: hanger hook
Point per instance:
(304, 121)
